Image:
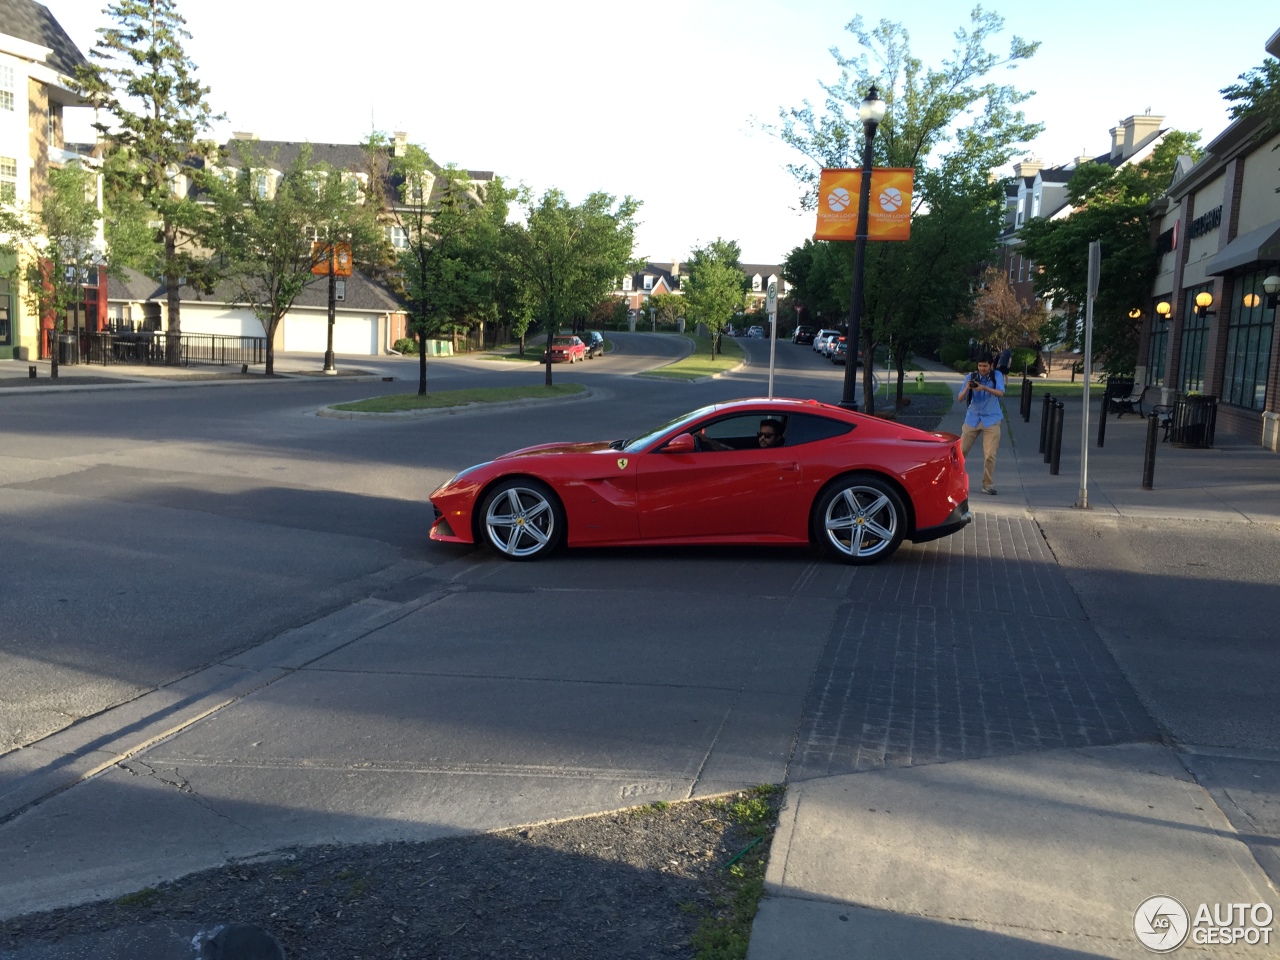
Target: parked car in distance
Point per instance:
(566, 348)
(839, 349)
(803, 335)
(595, 344)
(829, 344)
(855, 485)
(756, 333)
(822, 336)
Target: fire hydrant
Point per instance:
(919, 381)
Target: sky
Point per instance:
(671, 103)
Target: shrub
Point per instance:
(405, 345)
(1023, 357)
(952, 354)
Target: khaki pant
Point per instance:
(990, 444)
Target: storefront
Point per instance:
(1211, 324)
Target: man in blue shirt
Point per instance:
(982, 392)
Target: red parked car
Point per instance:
(855, 485)
(566, 348)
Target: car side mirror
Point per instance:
(680, 444)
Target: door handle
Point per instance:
(789, 467)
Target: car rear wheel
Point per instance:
(860, 520)
(522, 519)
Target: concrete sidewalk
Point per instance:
(1039, 854)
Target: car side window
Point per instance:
(807, 428)
(735, 433)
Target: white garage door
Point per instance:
(352, 335)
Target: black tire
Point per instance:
(522, 519)
(859, 519)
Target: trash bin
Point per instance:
(68, 348)
(1193, 420)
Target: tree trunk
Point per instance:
(422, 363)
(868, 394)
(173, 294)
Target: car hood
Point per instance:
(546, 449)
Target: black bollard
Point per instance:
(1026, 400)
(1102, 414)
(31, 371)
(1149, 456)
(1044, 426)
(1055, 441)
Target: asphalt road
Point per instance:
(151, 532)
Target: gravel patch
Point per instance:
(637, 883)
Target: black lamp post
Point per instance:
(872, 112)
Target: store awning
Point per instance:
(1261, 244)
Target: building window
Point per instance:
(648, 282)
(398, 236)
(311, 234)
(626, 284)
(7, 89)
(1248, 344)
(1155, 356)
(755, 283)
(1195, 341)
(8, 179)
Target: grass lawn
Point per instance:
(1058, 388)
(699, 364)
(398, 402)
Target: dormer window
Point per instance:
(756, 283)
(648, 281)
(626, 284)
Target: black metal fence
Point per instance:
(154, 348)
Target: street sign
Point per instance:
(772, 300)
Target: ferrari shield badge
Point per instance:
(622, 463)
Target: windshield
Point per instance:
(563, 341)
(639, 443)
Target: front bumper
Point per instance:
(958, 519)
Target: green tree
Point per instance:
(265, 230)
(950, 123)
(1110, 206)
(569, 256)
(1257, 94)
(667, 308)
(148, 86)
(55, 247)
(716, 287)
(448, 266)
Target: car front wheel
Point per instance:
(522, 519)
(860, 520)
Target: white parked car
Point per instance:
(820, 340)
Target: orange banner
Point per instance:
(839, 193)
(320, 254)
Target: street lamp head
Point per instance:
(1163, 308)
(1135, 313)
(1204, 300)
(872, 107)
(1271, 286)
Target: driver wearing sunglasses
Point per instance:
(770, 434)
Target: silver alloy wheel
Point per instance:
(861, 522)
(520, 522)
